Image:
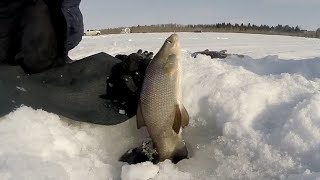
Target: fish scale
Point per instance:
(158, 97)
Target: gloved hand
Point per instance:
(130, 83)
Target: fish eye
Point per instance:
(169, 41)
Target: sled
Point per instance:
(71, 91)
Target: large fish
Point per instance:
(160, 108)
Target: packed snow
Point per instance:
(256, 117)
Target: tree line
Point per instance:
(220, 27)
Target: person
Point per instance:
(38, 34)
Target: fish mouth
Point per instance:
(174, 38)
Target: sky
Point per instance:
(99, 14)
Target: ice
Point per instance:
(256, 117)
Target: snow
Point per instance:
(142, 171)
(256, 117)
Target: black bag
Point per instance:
(125, 83)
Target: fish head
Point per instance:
(170, 47)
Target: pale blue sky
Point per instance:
(108, 13)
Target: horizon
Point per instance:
(245, 24)
(101, 14)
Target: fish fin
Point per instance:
(139, 117)
(171, 65)
(177, 120)
(184, 116)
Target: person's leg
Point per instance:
(74, 22)
(10, 12)
(5, 36)
(59, 24)
(38, 45)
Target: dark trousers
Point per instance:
(31, 36)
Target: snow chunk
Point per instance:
(168, 170)
(142, 171)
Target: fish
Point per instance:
(160, 107)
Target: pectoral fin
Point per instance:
(184, 116)
(177, 120)
(171, 65)
(181, 118)
(139, 117)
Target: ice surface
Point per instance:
(256, 117)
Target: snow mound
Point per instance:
(38, 145)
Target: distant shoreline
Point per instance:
(219, 27)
